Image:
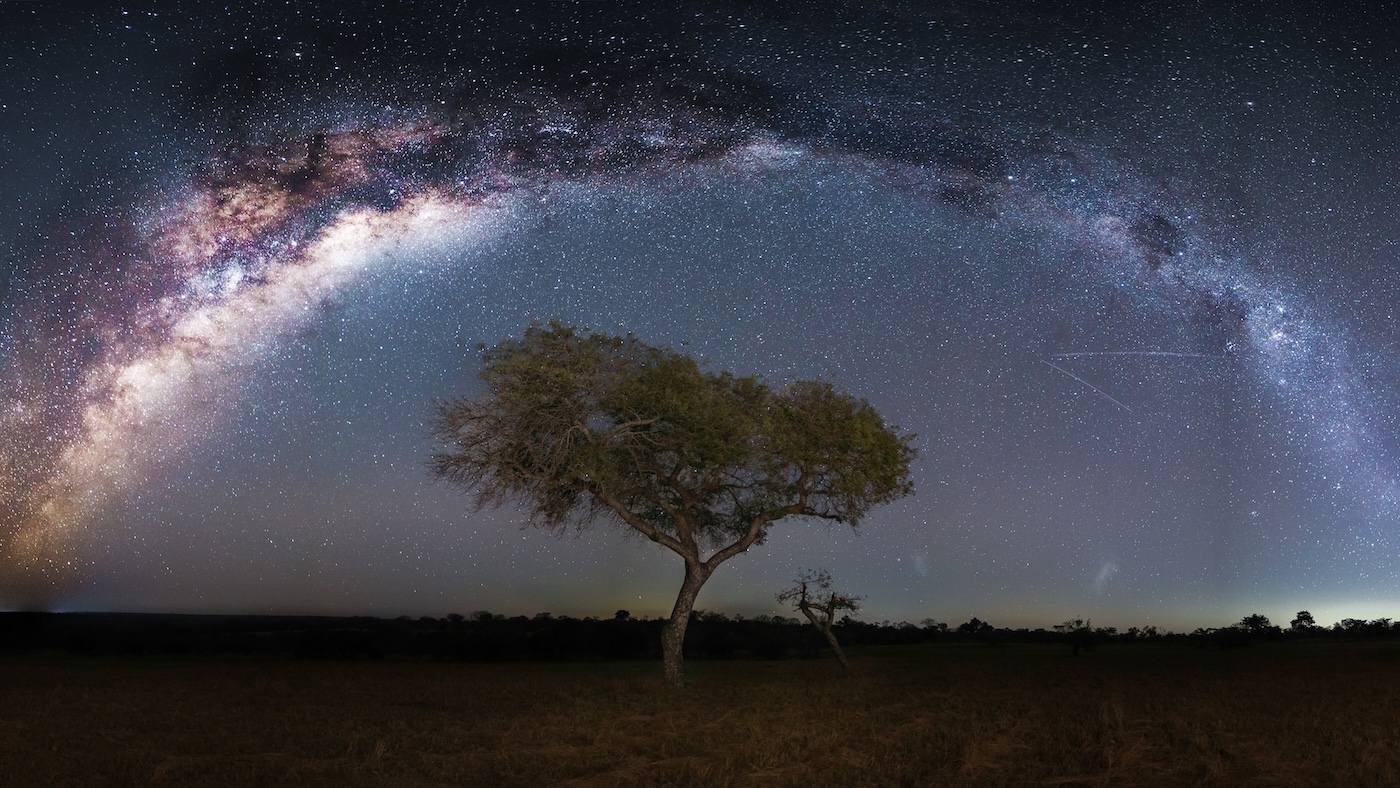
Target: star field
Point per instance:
(1131, 278)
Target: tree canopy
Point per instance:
(576, 426)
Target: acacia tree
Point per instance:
(579, 427)
(819, 602)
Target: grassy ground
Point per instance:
(1296, 714)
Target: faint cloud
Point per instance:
(921, 564)
(1106, 573)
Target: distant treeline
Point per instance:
(486, 637)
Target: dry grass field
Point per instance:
(1275, 715)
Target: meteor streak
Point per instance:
(1166, 353)
(1103, 393)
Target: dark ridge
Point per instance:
(484, 637)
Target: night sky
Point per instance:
(1130, 271)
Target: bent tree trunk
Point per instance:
(673, 634)
(823, 626)
(841, 655)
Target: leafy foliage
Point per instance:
(574, 425)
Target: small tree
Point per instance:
(974, 626)
(578, 427)
(819, 602)
(1078, 633)
(1303, 623)
(933, 625)
(1258, 625)
(1255, 623)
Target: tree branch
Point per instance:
(647, 529)
(755, 530)
(660, 501)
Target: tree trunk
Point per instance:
(841, 655)
(673, 634)
(823, 626)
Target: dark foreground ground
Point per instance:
(1293, 714)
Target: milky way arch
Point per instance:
(129, 341)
